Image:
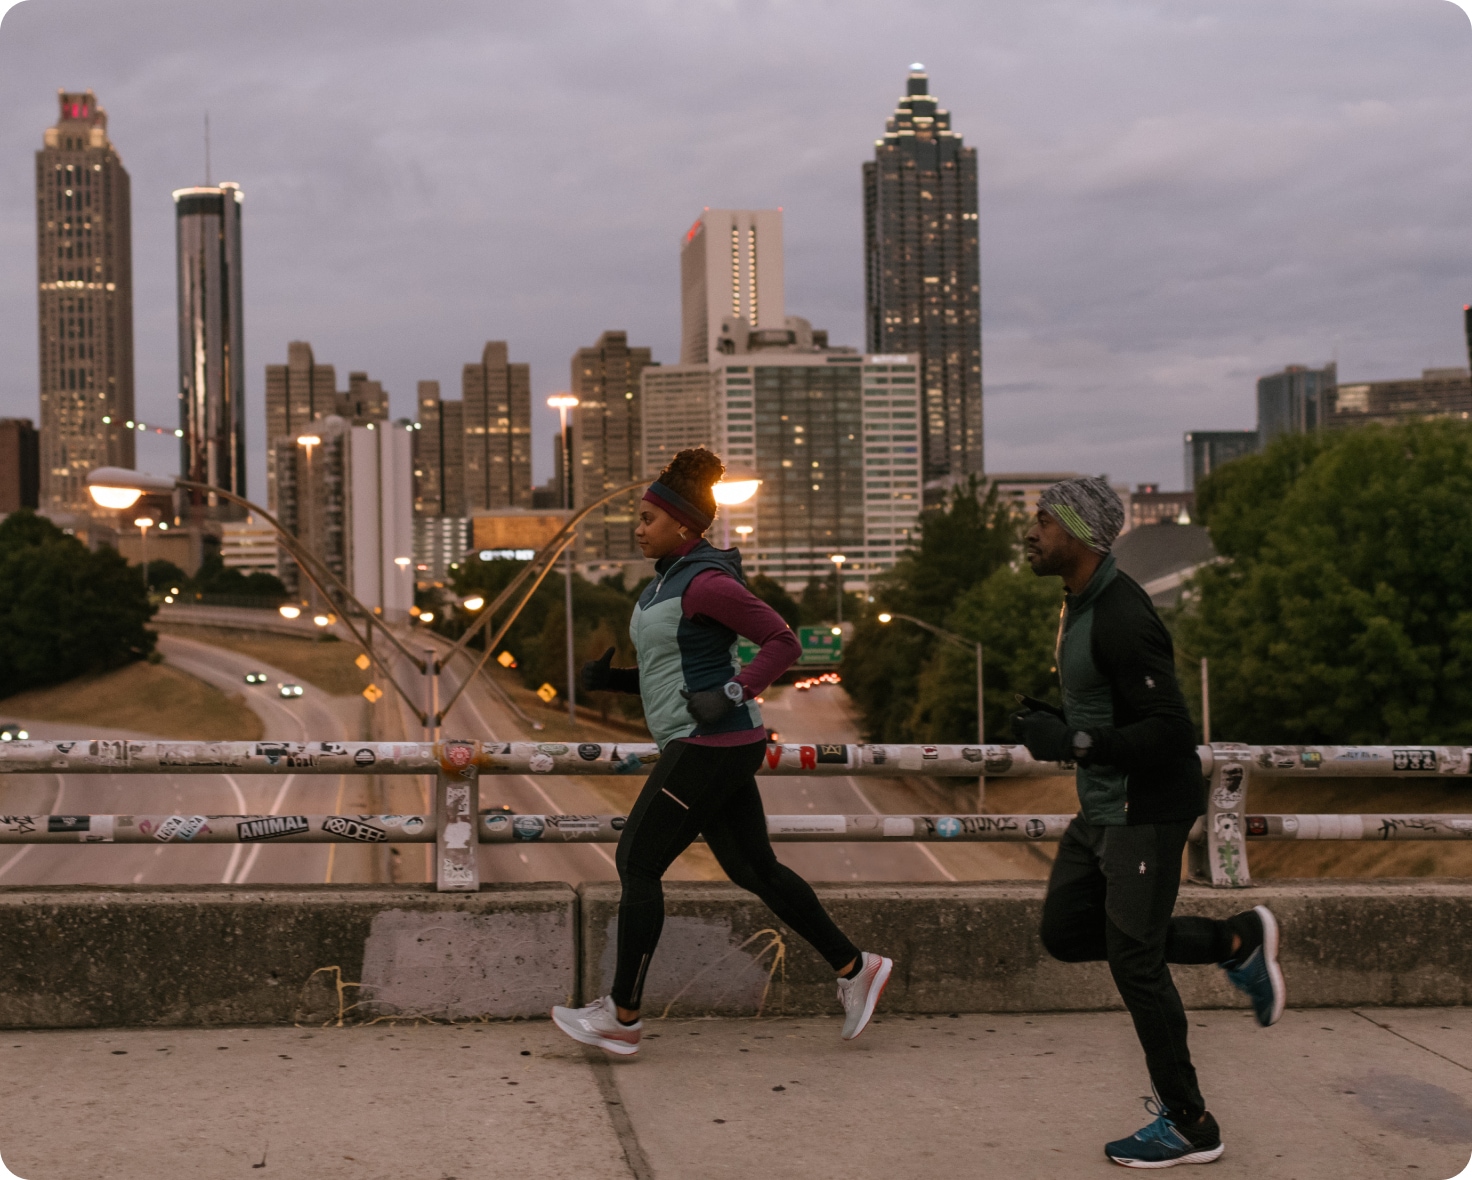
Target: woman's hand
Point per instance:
(711, 705)
(598, 674)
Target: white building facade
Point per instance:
(347, 493)
(730, 269)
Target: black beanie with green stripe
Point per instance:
(1088, 508)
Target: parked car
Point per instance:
(291, 690)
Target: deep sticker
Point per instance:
(351, 829)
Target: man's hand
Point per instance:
(711, 705)
(598, 674)
(1048, 738)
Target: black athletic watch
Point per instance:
(1083, 746)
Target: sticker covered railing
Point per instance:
(457, 825)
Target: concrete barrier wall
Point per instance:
(79, 957)
(975, 948)
(83, 957)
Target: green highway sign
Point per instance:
(819, 646)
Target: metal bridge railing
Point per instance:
(457, 826)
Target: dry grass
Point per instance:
(326, 664)
(145, 698)
(1276, 859)
(1345, 858)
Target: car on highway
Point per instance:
(291, 690)
(255, 678)
(12, 733)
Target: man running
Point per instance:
(1140, 789)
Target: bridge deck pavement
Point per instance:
(1327, 1093)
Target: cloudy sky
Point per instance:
(1177, 196)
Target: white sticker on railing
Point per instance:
(793, 825)
(899, 826)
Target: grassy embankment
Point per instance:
(144, 698)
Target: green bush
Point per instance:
(957, 577)
(1343, 610)
(64, 610)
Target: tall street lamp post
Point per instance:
(838, 559)
(951, 637)
(562, 402)
(144, 523)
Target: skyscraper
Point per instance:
(833, 437)
(211, 344)
(606, 442)
(345, 492)
(1207, 450)
(439, 454)
(676, 411)
(1296, 400)
(498, 431)
(922, 275)
(84, 271)
(730, 269)
(297, 393)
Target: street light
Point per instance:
(144, 523)
(950, 637)
(562, 402)
(838, 559)
(290, 612)
(733, 490)
(473, 603)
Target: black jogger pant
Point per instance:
(710, 791)
(1110, 897)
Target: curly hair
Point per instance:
(691, 474)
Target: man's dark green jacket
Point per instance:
(1116, 664)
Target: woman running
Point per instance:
(699, 705)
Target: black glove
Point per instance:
(1048, 737)
(598, 674)
(1037, 706)
(711, 705)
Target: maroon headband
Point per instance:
(677, 506)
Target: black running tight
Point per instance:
(710, 791)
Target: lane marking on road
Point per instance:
(255, 849)
(921, 848)
(552, 805)
(235, 853)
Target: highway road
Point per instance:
(480, 713)
(821, 714)
(313, 716)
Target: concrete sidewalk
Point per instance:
(1328, 1093)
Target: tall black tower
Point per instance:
(211, 344)
(922, 275)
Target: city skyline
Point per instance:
(1162, 222)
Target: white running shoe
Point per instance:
(860, 995)
(598, 1025)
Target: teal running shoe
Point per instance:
(1163, 1144)
(1255, 971)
